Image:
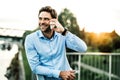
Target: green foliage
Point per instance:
(67, 19)
(115, 65)
(100, 63)
(103, 42)
(27, 69)
(88, 75)
(116, 50)
(24, 35)
(116, 43)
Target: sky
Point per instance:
(93, 15)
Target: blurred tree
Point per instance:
(105, 43)
(116, 43)
(67, 19)
(116, 40)
(24, 35)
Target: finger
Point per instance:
(53, 20)
(72, 71)
(52, 23)
(65, 79)
(71, 78)
(72, 75)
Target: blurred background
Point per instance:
(97, 22)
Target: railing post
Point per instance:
(110, 66)
(79, 66)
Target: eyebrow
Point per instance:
(44, 18)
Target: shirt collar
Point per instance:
(40, 34)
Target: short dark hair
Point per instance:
(50, 10)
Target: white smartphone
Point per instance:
(52, 26)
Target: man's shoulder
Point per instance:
(32, 35)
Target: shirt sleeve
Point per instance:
(34, 62)
(75, 43)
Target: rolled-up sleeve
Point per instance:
(34, 62)
(75, 43)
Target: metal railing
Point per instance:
(95, 66)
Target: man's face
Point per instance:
(44, 21)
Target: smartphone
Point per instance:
(52, 26)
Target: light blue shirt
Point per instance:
(47, 57)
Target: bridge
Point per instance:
(9, 36)
(11, 33)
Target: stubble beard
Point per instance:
(47, 30)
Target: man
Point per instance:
(46, 48)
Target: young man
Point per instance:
(46, 48)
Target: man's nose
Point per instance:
(42, 21)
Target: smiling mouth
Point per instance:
(43, 25)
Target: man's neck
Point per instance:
(48, 34)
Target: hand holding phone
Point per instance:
(52, 24)
(56, 26)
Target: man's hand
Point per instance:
(59, 28)
(67, 75)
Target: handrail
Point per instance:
(91, 53)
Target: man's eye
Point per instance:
(47, 19)
(40, 18)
